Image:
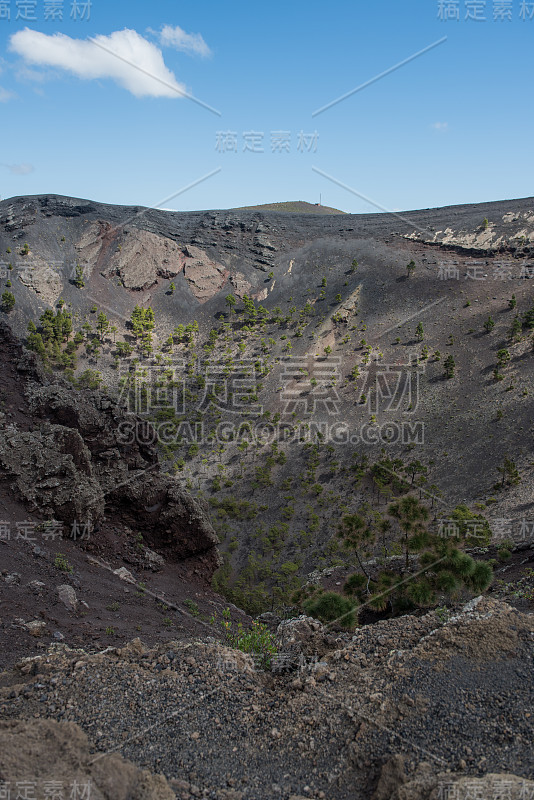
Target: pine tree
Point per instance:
(250, 308)
(102, 325)
(449, 366)
(8, 301)
(332, 607)
(149, 319)
(509, 472)
(137, 321)
(411, 515)
(416, 468)
(124, 349)
(489, 324)
(515, 330)
(142, 321)
(79, 277)
(35, 342)
(503, 356)
(355, 533)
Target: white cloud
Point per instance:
(20, 169)
(5, 95)
(186, 42)
(124, 56)
(440, 126)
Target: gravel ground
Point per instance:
(456, 695)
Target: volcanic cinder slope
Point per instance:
(412, 707)
(469, 260)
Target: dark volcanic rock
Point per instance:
(77, 466)
(51, 471)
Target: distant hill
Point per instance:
(293, 207)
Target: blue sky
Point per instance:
(451, 126)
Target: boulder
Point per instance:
(154, 560)
(124, 575)
(37, 587)
(36, 627)
(67, 596)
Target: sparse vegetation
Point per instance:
(257, 641)
(489, 324)
(275, 521)
(61, 563)
(449, 366)
(79, 278)
(8, 301)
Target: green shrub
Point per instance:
(481, 577)
(192, 606)
(332, 607)
(61, 563)
(258, 640)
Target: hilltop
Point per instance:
(293, 207)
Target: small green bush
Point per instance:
(332, 607)
(61, 563)
(192, 606)
(257, 640)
